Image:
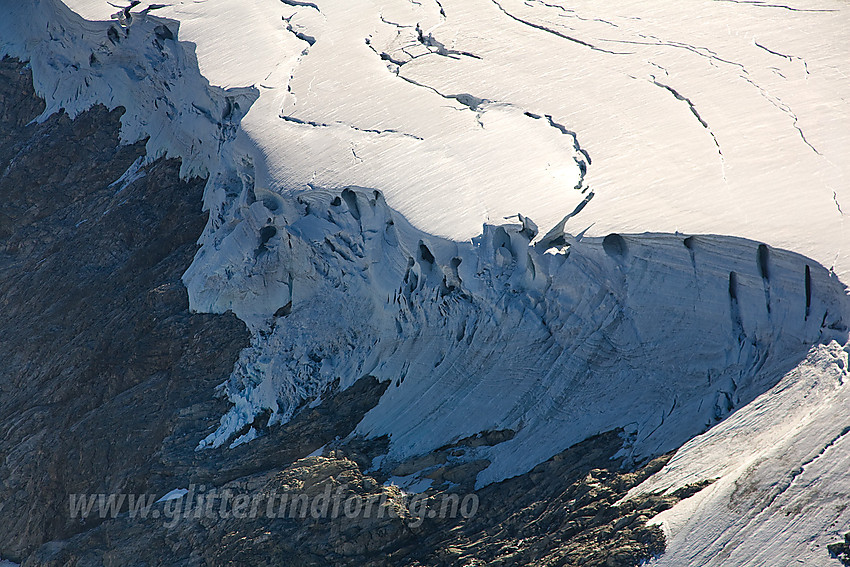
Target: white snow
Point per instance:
(378, 173)
(781, 464)
(133, 174)
(766, 81)
(250, 435)
(410, 484)
(173, 495)
(318, 452)
(75, 65)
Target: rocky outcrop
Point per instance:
(101, 359)
(564, 512)
(841, 550)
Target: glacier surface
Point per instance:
(481, 202)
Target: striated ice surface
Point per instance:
(663, 335)
(781, 467)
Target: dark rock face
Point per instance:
(562, 513)
(107, 383)
(100, 356)
(841, 550)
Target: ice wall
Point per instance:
(555, 337)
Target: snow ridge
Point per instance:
(556, 338)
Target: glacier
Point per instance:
(481, 203)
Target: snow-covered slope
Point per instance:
(781, 464)
(77, 63)
(447, 196)
(701, 116)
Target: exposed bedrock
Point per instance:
(101, 360)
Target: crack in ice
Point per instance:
(678, 96)
(802, 468)
(697, 50)
(474, 104)
(568, 13)
(556, 32)
(313, 124)
(761, 4)
(777, 102)
(298, 4)
(788, 57)
(426, 40)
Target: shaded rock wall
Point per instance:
(100, 356)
